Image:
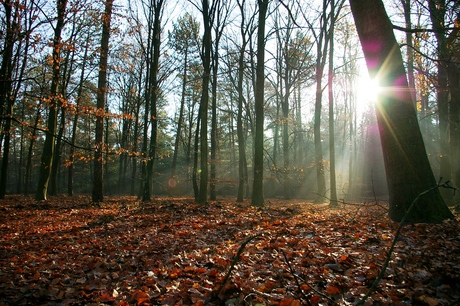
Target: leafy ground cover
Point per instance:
(174, 252)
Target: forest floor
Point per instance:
(173, 252)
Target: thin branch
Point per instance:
(232, 265)
(407, 30)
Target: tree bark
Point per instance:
(98, 182)
(242, 179)
(207, 45)
(322, 47)
(154, 95)
(48, 148)
(406, 164)
(437, 15)
(258, 184)
(332, 176)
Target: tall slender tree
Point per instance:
(335, 10)
(184, 39)
(98, 182)
(208, 17)
(246, 28)
(154, 94)
(54, 102)
(222, 11)
(258, 183)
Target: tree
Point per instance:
(406, 164)
(448, 101)
(245, 30)
(322, 44)
(258, 180)
(153, 89)
(293, 67)
(222, 10)
(442, 95)
(54, 102)
(183, 39)
(18, 27)
(208, 16)
(98, 183)
(335, 10)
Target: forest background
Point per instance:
(173, 99)
(147, 130)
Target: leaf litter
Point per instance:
(173, 252)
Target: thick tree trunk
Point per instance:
(258, 185)
(407, 167)
(98, 182)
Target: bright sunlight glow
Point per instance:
(367, 91)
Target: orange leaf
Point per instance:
(331, 290)
(140, 296)
(314, 299)
(286, 302)
(106, 298)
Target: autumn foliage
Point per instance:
(173, 252)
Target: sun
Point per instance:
(367, 90)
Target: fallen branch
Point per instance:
(232, 265)
(291, 270)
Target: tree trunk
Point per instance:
(135, 157)
(48, 148)
(239, 124)
(258, 184)
(181, 116)
(437, 15)
(406, 163)
(214, 136)
(6, 148)
(154, 95)
(322, 47)
(98, 183)
(332, 178)
(286, 78)
(196, 188)
(207, 45)
(6, 87)
(220, 14)
(53, 188)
